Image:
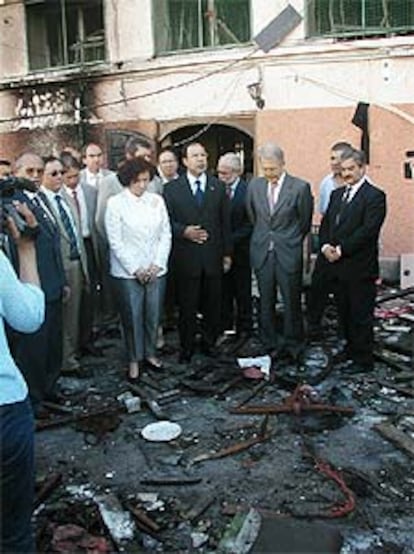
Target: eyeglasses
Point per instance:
(56, 172)
(33, 170)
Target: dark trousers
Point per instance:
(237, 299)
(269, 277)
(89, 299)
(322, 284)
(196, 294)
(356, 303)
(16, 478)
(39, 355)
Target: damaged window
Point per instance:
(189, 24)
(359, 18)
(64, 32)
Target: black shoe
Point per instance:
(184, 357)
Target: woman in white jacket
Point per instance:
(139, 236)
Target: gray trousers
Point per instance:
(139, 309)
(269, 277)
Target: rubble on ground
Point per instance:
(310, 456)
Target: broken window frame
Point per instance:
(204, 24)
(49, 25)
(341, 19)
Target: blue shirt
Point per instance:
(328, 184)
(22, 306)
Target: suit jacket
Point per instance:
(91, 199)
(48, 253)
(76, 219)
(188, 258)
(241, 227)
(356, 232)
(286, 227)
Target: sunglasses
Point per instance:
(56, 172)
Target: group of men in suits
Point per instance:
(222, 227)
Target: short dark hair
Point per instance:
(168, 149)
(69, 162)
(339, 146)
(130, 170)
(133, 143)
(185, 148)
(353, 154)
(50, 159)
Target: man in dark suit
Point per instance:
(280, 207)
(237, 282)
(349, 246)
(200, 219)
(39, 355)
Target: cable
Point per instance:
(145, 94)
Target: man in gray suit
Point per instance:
(280, 207)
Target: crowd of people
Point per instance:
(128, 246)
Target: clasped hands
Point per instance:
(195, 233)
(332, 253)
(147, 275)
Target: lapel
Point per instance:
(284, 194)
(209, 193)
(51, 225)
(263, 200)
(350, 207)
(58, 218)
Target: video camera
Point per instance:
(8, 188)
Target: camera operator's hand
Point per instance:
(25, 244)
(31, 222)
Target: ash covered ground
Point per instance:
(329, 468)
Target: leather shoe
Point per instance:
(184, 357)
(91, 350)
(154, 364)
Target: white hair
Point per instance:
(271, 151)
(232, 160)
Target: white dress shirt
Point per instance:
(139, 233)
(192, 180)
(273, 191)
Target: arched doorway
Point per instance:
(217, 139)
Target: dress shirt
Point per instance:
(328, 184)
(164, 179)
(232, 188)
(192, 180)
(35, 196)
(139, 233)
(22, 306)
(273, 191)
(83, 210)
(355, 188)
(93, 178)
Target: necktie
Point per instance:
(229, 191)
(67, 224)
(75, 199)
(199, 194)
(343, 205)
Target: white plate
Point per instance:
(161, 431)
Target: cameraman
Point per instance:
(22, 306)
